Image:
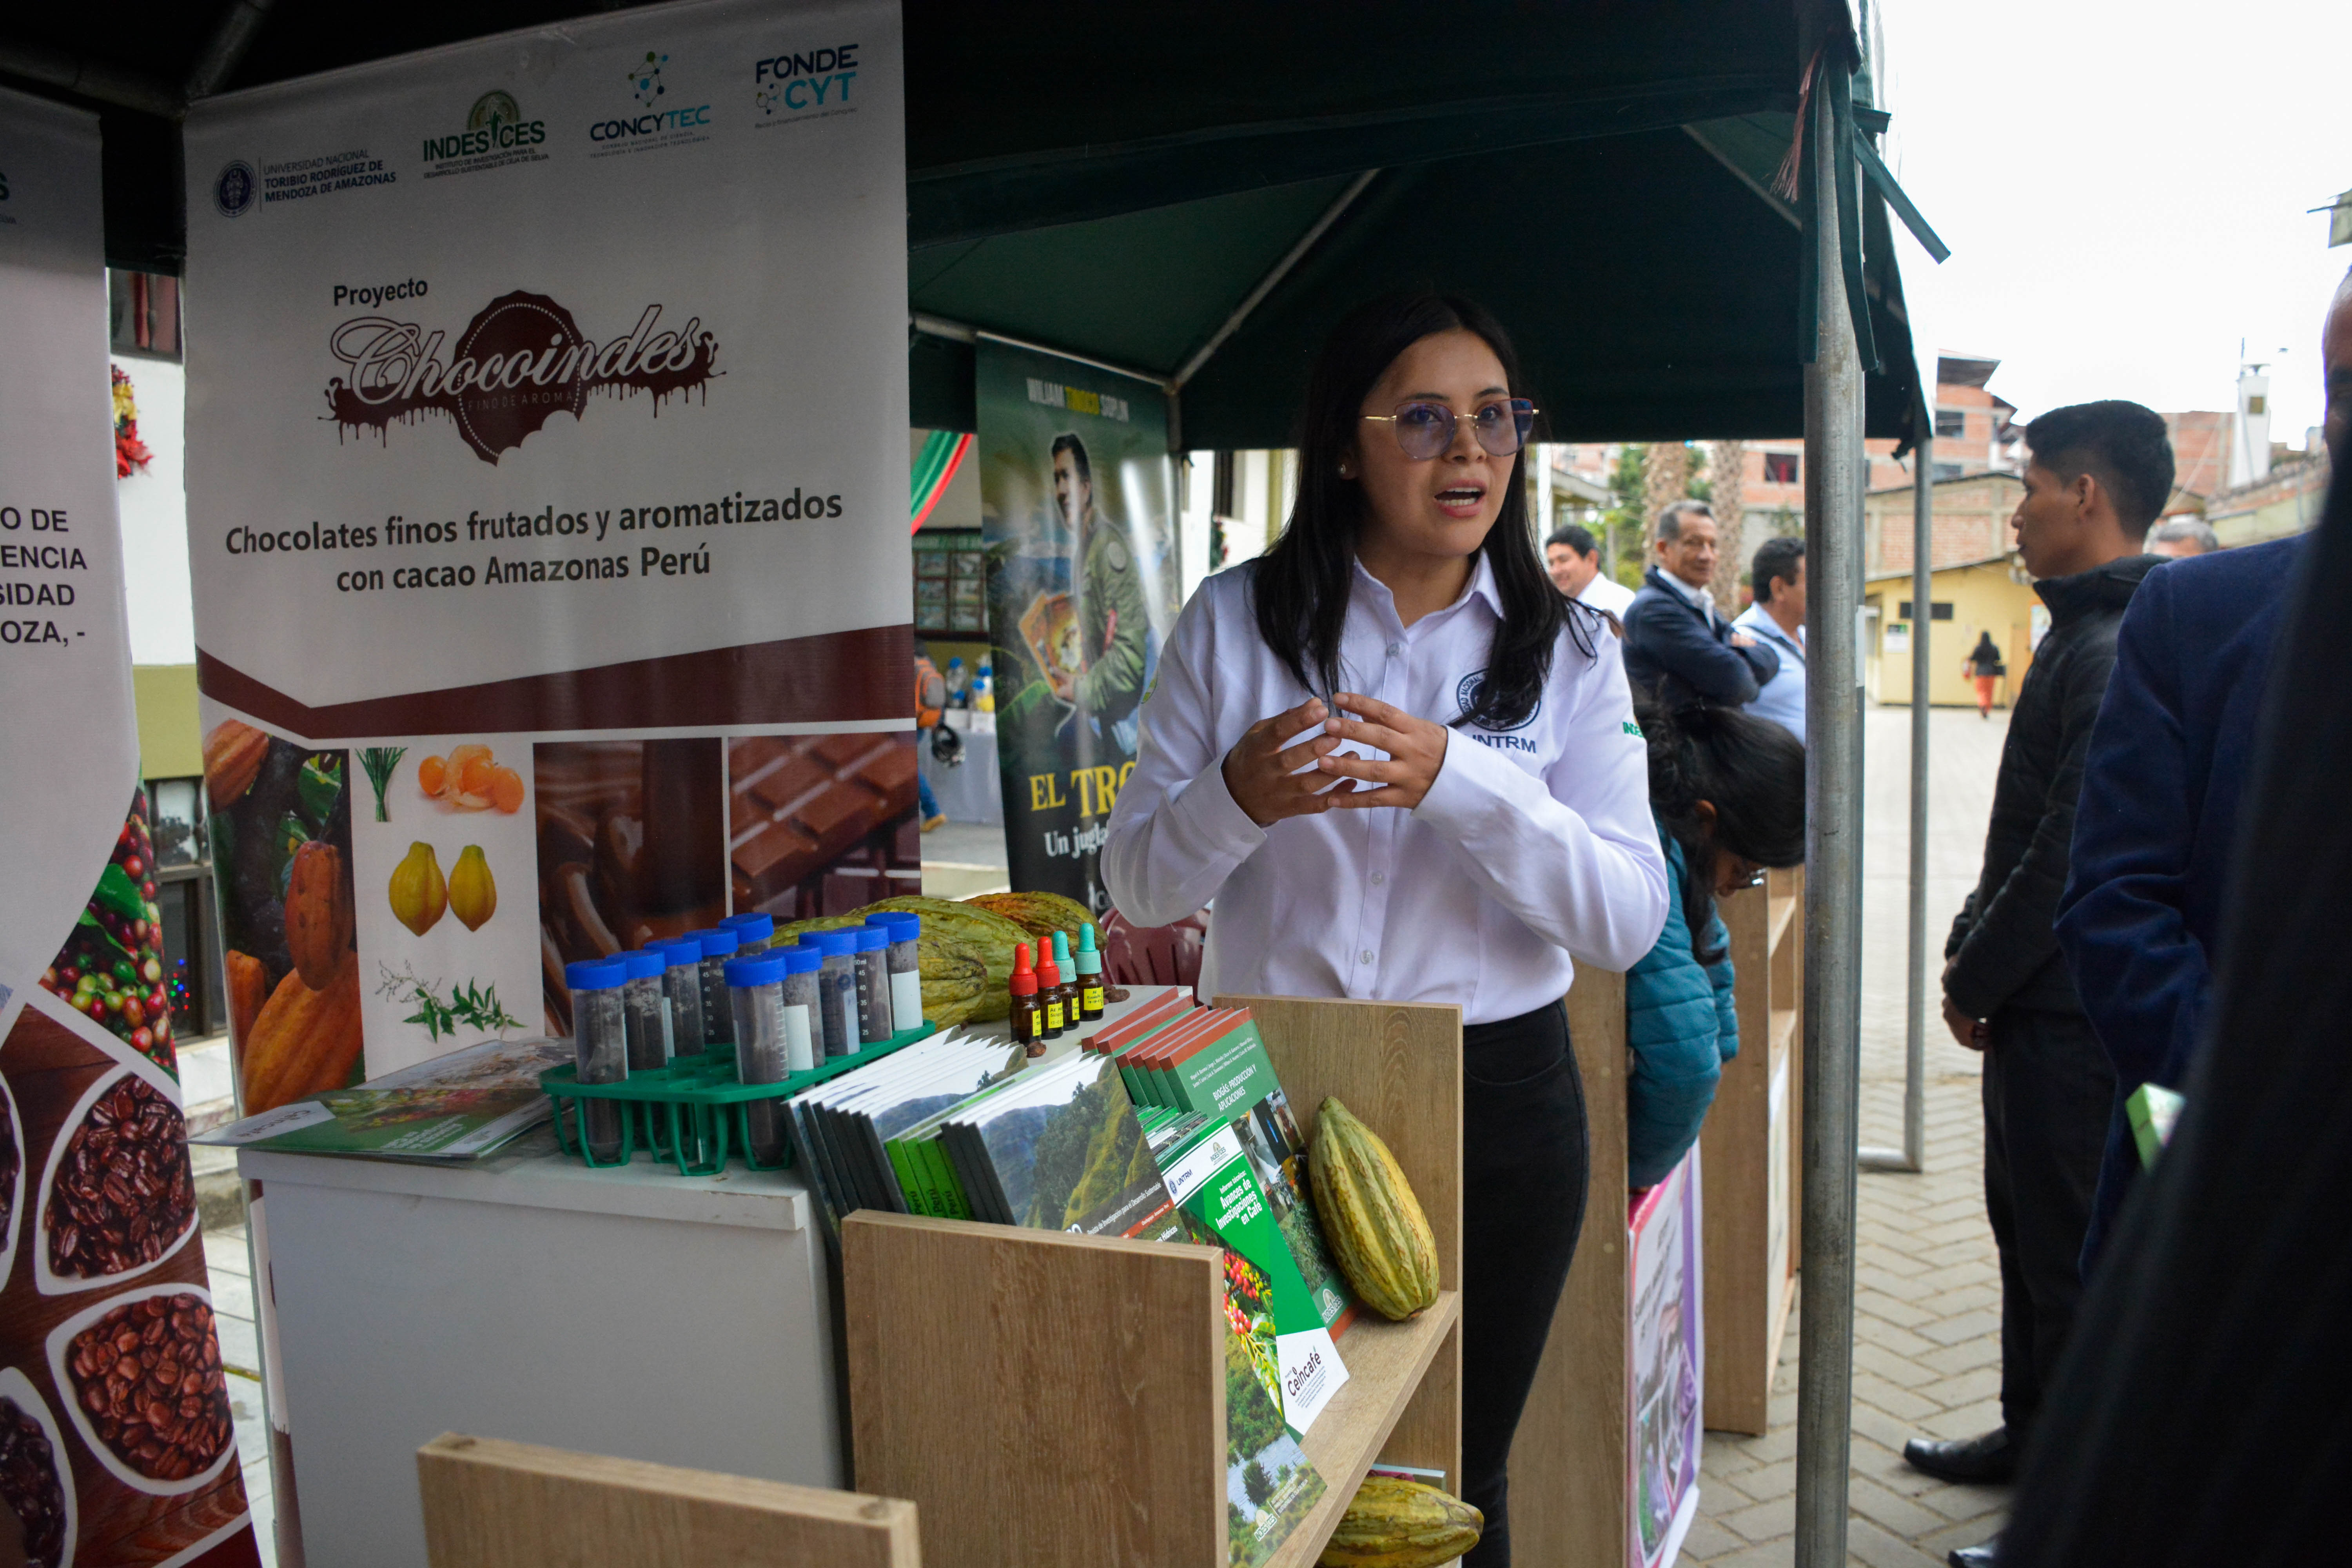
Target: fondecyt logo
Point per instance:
(795, 82)
(234, 189)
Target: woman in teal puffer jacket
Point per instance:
(1728, 794)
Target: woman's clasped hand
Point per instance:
(1270, 780)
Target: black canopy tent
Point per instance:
(1192, 190)
(1116, 180)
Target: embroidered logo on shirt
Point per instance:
(1465, 696)
(1634, 730)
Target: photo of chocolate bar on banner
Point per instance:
(822, 824)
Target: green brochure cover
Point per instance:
(1232, 1077)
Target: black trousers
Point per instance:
(2047, 1089)
(1524, 1167)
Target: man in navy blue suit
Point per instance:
(1676, 642)
(2154, 833)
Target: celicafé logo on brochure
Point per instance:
(804, 79)
(494, 125)
(234, 189)
(519, 362)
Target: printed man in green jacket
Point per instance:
(1109, 601)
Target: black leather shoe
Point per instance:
(1975, 1556)
(1988, 1457)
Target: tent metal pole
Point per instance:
(1281, 270)
(932, 326)
(1913, 1155)
(1834, 456)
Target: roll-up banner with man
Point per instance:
(116, 1426)
(547, 501)
(1078, 508)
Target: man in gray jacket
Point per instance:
(2098, 475)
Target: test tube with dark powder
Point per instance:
(755, 988)
(837, 989)
(645, 1011)
(682, 988)
(873, 1025)
(599, 1045)
(718, 1021)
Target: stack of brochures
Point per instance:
(1166, 1125)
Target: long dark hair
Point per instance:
(1750, 770)
(1302, 585)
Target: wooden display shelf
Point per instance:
(1750, 1154)
(1057, 1401)
(494, 1504)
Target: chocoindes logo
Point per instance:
(519, 363)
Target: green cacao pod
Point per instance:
(1402, 1524)
(991, 935)
(1374, 1223)
(955, 978)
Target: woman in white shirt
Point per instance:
(1407, 769)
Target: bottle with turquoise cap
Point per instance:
(1091, 975)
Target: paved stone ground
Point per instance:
(1928, 1296)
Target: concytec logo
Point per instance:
(494, 125)
(796, 82)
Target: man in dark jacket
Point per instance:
(2154, 839)
(2098, 475)
(1677, 643)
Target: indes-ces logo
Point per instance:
(496, 133)
(517, 363)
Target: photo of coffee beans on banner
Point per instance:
(116, 1437)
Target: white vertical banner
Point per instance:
(117, 1457)
(548, 500)
(70, 757)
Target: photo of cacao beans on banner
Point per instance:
(281, 824)
(116, 1433)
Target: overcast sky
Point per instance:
(2123, 186)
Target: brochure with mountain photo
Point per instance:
(1066, 1153)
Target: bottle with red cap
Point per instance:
(1028, 1012)
(1049, 995)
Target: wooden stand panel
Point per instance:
(1749, 1158)
(495, 1504)
(1568, 1461)
(1058, 1401)
(1045, 1399)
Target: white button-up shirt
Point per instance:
(1533, 845)
(1782, 698)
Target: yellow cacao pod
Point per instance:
(1392, 1523)
(1374, 1223)
(418, 894)
(318, 912)
(1039, 914)
(473, 892)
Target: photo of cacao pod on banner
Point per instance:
(281, 826)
